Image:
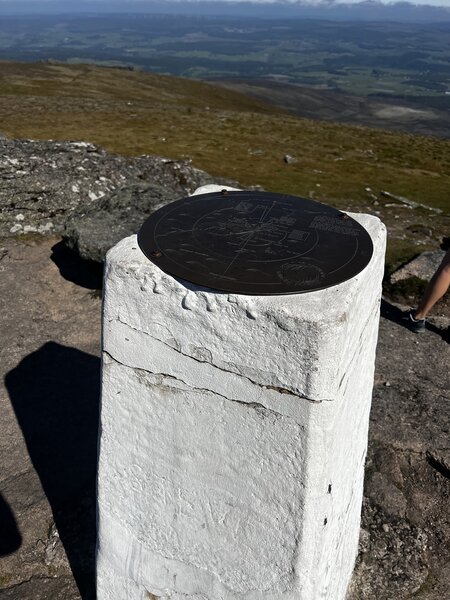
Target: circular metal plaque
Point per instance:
(255, 243)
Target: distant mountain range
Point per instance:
(369, 10)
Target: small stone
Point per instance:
(419, 229)
(364, 540)
(386, 495)
(289, 160)
(92, 195)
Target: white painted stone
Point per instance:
(211, 188)
(233, 435)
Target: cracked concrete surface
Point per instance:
(212, 376)
(184, 401)
(164, 379)
(280, 390)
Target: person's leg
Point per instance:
(436, 288)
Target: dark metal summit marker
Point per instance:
(255, 243)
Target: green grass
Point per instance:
(5, 580)
(231, 135)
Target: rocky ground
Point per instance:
(405, 536)
(49, 362)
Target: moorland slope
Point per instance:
(231, 135)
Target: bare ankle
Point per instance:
(418, 315)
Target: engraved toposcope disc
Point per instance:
(255, 243)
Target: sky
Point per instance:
(443, 3)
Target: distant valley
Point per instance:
(391, 75)
(361, 58)
(420, 115)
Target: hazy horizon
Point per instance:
(418, 11)
(141, 3)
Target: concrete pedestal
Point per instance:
(233, 435)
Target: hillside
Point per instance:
(232, 135)
(50, 305)
(419, 115)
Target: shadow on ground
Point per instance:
(85, 273)
(394, 314)
(10, 538)
(55, 394)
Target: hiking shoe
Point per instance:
(416, 325)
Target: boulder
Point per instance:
(422, 267)
(95, 229)
(45, 184)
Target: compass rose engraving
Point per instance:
(255, 242)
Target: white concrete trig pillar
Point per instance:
(233, 435)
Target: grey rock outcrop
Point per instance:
(44, 185)
(95, 229)
(423, 266)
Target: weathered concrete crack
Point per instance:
(256, 405)
(280, 390)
